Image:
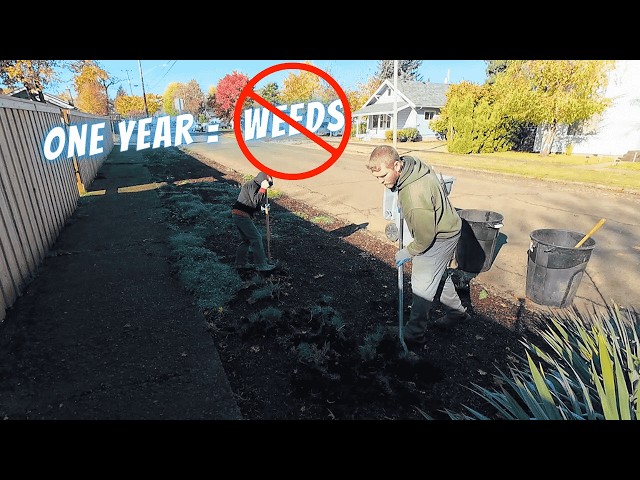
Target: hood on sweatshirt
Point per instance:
(412, 170)
(261, 177)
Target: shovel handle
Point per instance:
(593, 230)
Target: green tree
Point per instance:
(192, 98)
(168, 99)
(210, 98)
(471, 121)
(121, 91)
(271, 93)
(34, 75)
(407, 70)
(89, 84)
(549, 93)
(301, 88)
(134, 106)
(363, 92)
(494, 67)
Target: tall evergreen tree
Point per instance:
(407, 70)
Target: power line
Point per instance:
(155, 83)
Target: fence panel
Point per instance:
(37, 195)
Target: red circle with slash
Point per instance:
(247, 91)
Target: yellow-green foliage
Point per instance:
(404, 135)
(303, 87)
(275, 193)
(486, 118)
(302, 215)
(569, 149)
(472, 122)
(587, 369)
(632, 166)
(168, 98)
(322, 220)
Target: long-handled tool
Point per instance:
(265, 209)
(394, 233)
(401, 287)
(591, 232)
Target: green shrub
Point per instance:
(403, 135)
(589, 371)
(412, 134)
(569, 149)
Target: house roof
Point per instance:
(425, 94)
(378, 108)
(417, 94)
(52, 99)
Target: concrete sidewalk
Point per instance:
(105, 331)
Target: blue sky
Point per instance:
(157, 74)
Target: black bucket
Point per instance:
(476, 248)
(555, 266)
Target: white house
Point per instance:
(417, 103)
(51, 99)
(617, 130)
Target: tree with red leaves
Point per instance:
(227, 94)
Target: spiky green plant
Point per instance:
(590, 370)
(328, 318)
(368, 349)
(266, 291)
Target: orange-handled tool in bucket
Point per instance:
(593, 230)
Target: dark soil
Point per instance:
(317, 339)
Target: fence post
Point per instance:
(67, 122)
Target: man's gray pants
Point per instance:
(251, 238)
(427, 272)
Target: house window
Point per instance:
(429, 115)
(381, 122)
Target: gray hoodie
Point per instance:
(252, 195)
(425, 206)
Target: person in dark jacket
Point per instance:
(435, 227)
(253, 194)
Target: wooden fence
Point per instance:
(37, 195)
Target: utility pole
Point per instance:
(128, 78)
(144, 95)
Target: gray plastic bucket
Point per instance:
(555, 267)
(476, 248)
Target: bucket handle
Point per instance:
(493, 225)
(549, 248)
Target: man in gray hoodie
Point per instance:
(253, 194)
(435, 227)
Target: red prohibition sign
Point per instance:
(247, 91)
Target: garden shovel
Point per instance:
(401, 287)
(265, 209)
(394, 233)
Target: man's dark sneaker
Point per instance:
(266, 267)
(415, 343)
(446, 322)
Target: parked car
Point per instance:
(323, 131)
